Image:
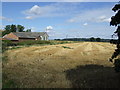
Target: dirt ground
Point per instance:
(74, 65)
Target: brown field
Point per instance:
(74, 65)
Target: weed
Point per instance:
(15, 47)
(9, 84)
(4, 58)
(67, 47)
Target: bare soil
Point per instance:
(75, 65)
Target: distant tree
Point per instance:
(57, 39)
(8, 27)
(20, 28)
(7, 30)
(14, 28)
(98, 39)
(92, 39)
(28, 30)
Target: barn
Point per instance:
(24, 36)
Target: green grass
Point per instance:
(9, 84)
(8, 45)
(4, 58)
(15, 47)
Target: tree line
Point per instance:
(14, 28)
(92, 39)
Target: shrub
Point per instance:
(4, 46)
(9, 43)
(33, 42)
(6, 43)
(117, 65)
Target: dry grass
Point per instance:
(85, 65)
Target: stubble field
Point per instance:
(74, 65)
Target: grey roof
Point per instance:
(29, 34)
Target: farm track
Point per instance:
(50, 66)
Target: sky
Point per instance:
(61, 19)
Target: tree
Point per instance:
(98, 39)
(13, 28)
(20, 28)
(7, 30)
(8, 27)
(92, 39)
(115, 21)
(28, 30)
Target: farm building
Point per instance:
(23, 36)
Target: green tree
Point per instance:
(20, 28)
(8, 27)
(28, 30)
(13, 28)
(115, 21)
(7, 30)
(98, 39)
(92, 39)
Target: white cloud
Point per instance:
(2, 26)
(72, 20)
(95, 15)
(33, 29)
(5, 18)
(49, 28)
(37, 11)
(85, 24)
(29, 17)
(51, 10)
(103, 19)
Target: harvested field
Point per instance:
(74, 65)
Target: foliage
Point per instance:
(92, 39)
(7, 30)
(14, 28)
(6, 43)
(52, 42)
(98, 39)
(117, 65)
(4, 46)
(6, 82)
(9, 84)
(28, 30)
(84, 39)
(115, 21)
(20, 28)
(33, 42)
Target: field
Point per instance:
(73, 65)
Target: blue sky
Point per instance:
(61, 19)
